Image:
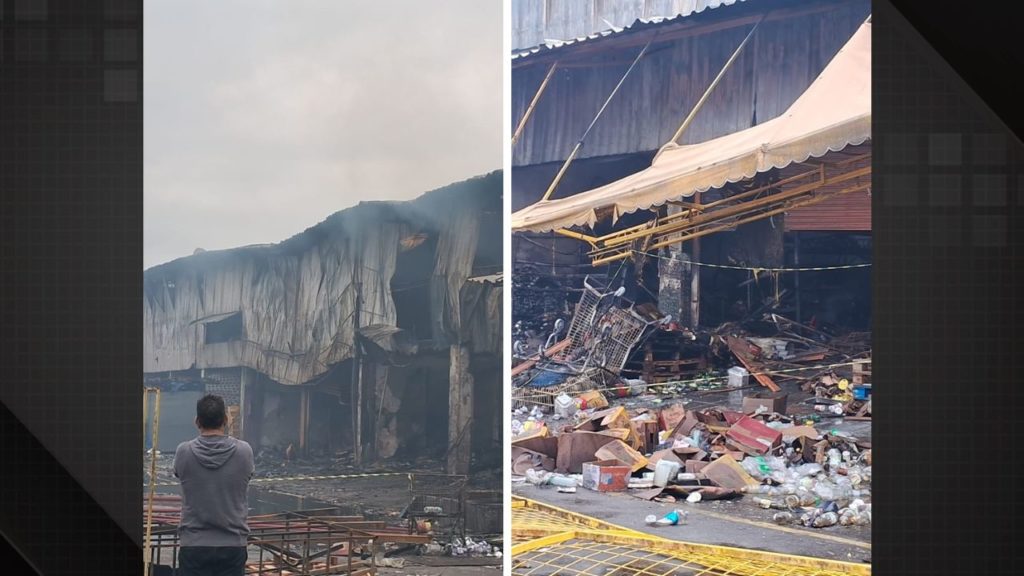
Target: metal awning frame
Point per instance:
(826, 180)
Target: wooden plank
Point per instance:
(740, 348)
(552, 352)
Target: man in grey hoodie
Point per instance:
(214, 470)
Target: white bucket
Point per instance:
(665, 471)
(565, 406)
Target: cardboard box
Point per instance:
(605, 476)
(620, 451)
(646, 434)
(753, 437)
(727, 473)
(593, 399)
(772, 401)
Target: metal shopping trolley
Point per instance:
(605, 328)
(439, 499)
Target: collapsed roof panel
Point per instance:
(297, 298)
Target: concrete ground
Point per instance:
(739, 522)
(725, 523)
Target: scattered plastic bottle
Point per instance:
(825, 520)
(783, 518)
(563, 481)
(673, 518)
(767, 504)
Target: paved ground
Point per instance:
(730, 523)
(726, 523)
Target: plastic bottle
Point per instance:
(807, 498)
(673, 518)
(537, 478)
(826, 519)
(563, 481)
(834, 459)
(767, 503)
(782, 517)
(651, 520)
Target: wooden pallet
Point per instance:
(862, 371)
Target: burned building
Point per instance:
(642, 82)
(375, 333)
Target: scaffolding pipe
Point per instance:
(533, 103)
(711, 88)
(579, 144)
(147, 561)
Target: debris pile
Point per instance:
(671, 454)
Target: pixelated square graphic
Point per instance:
(31, 10)
(75, 45)
(945, 189)
(988, 189)
(900, 150)
(945, 149)
(120, 9)
(945, 230)
(30, 45)
(900, 189)
(120, 85)
(120, 45)
(988, 149)
(988, 231)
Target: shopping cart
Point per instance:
(439, 499)
(605, 329)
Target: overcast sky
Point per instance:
(264, 117)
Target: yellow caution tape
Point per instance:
(300, 478)
(759, 270)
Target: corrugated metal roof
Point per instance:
(639, 25)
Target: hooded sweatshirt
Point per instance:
(214, 472)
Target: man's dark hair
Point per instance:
(210, 412)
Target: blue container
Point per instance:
(862, 392)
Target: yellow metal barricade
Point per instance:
(550, 540)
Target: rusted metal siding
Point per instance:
(847, 212)
(781, 61)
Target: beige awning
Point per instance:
(834, 112)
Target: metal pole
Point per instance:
(695, 279)
(533, 103)
(152, 476)
(357, 372)
(796, 275)
(579, 144)
(714, 83)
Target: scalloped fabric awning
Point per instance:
(833, 113)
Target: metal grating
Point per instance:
(591, 558)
